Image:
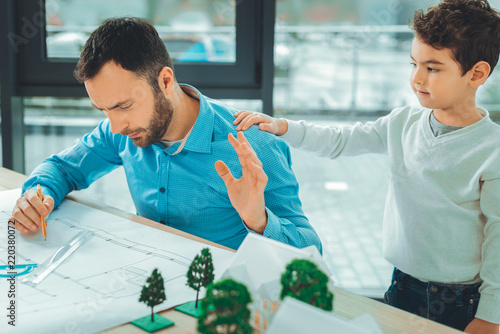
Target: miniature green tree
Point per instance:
(200, 272)
(304, 281)
(154, 293)
(225, 309)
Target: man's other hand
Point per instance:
(247, 193)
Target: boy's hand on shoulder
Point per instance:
(246, 119)
(479, 326)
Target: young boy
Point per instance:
(442, 215)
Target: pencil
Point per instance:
(44, 224)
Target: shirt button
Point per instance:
(162, 190)
(162, 222)
(394, 283)
(434, 289)
(471, 301)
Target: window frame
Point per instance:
(42, 76)
(26, 71)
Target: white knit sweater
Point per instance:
(442, 214)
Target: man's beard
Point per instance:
(158, 123)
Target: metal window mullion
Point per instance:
(12, 105)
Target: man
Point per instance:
(168, 138)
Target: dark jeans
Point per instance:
(453, 305)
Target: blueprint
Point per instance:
(98, 286)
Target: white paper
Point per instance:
(98, 286)
(266, 260)
(259, 264)
(296, 317)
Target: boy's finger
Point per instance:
(239, 113)
(245, 156)
(245, 124)
(249, 121)
(239, 118)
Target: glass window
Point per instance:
(249, 105)
(340, 62)
(192, 30)
(344, 57)
(1, 145)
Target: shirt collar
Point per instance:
(200, 139)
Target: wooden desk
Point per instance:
(347, 304)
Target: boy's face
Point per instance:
(437, 80)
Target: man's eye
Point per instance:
(126, 107)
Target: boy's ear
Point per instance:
(480, 73)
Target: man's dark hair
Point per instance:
(132, 43)
(469, 28)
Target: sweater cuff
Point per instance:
(489, 308)
(295, 133)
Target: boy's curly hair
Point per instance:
(469, 28)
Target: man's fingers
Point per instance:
(18, 226)
(249, 154)
(20, 218)
(246, 151)
(49, 202)
(224, 172)
(259, 173)
(26, 214)
(239, 113)
(234, 143)
(242, 139)
(37, 203)
(250, 120)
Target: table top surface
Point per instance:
(346, 304)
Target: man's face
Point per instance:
(133, 108)
(436, 78)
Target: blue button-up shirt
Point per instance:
(184, 190)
